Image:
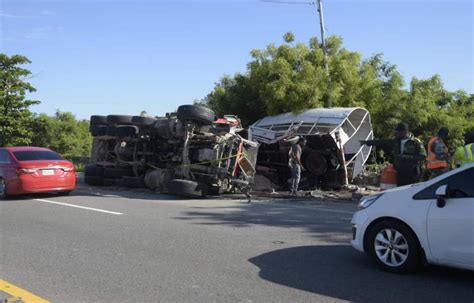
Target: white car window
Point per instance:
(461, 185)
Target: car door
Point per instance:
(450, 229)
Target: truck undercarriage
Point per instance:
(186, 153)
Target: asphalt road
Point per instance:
(139, 247)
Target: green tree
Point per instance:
(236, 95)
(291, 77)
(382, 93)
(15, 116)
(62, 133)
(429, 106)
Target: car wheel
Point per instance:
(196, 113)
(187, 188)
(394, 247)
(3, 189)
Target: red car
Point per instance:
(25, 170)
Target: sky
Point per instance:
(122, 57)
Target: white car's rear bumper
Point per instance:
(360, 221)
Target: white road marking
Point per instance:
(81, 207)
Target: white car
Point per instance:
(425, 223)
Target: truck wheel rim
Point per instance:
(391, 247)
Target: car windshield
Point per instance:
(35, 155)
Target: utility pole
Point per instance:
(327, 102)
(319, 7)
(323, 33)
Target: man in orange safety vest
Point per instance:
(437, 159)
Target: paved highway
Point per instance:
(103, 246)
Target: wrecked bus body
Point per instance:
(187, 153)
(332, 156)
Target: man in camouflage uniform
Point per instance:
(408, 154)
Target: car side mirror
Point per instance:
(441, 194)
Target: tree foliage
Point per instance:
(15, 115)
(62, 133)
(292, 77)
(19, 126)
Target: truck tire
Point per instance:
(315, 163)
(98, 130)
(93, 170)
(94, 180)
(3, 189)
(111, 130)
(153, 178)
(143, 121)
(110, 182)
(187, 188)
(98, 120)
(119, 119)
(127, 131)
(213, 190)
(196, 113)
(117, 173)
(162, 128)
(132, 182)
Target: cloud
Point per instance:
(38, 33)
(47, 12)
(45, 32)
(42, 13)
(4, 14)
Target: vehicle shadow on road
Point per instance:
(338, 271)
(329, 226)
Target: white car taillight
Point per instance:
(68, 169)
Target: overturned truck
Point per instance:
(333, 154)
(186, 153)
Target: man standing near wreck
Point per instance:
(408, 153)
(294, 162)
